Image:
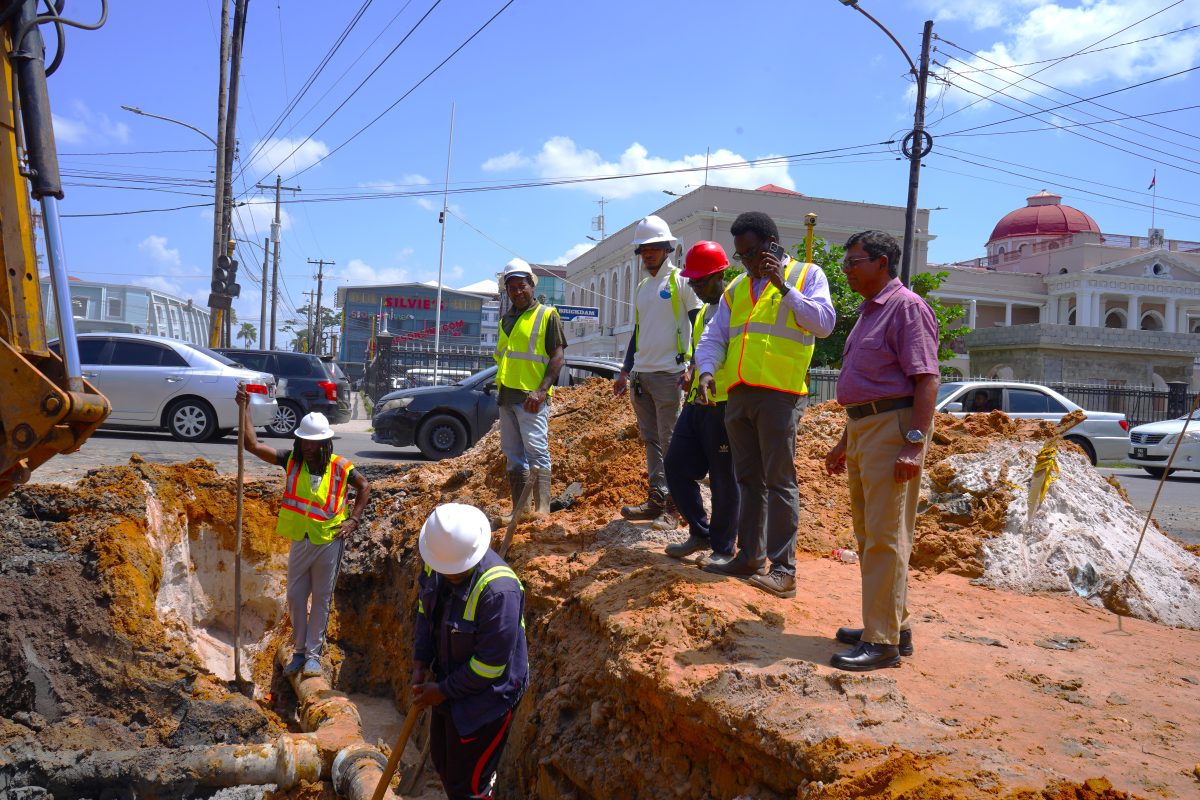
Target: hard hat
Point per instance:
(703, 259)
(518, 266)
(454, 538)
(314, 427)
(652, 230)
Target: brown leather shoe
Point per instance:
(777, 582)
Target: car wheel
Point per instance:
(442, 436)
(191, 420)
(1085, 446)
(1157, 472)
(287, 419)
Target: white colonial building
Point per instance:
(1049, 268)
(607, 275)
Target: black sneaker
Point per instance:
(645, 511)
(737, 567)
(686, 548)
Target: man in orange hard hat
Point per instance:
(699, 445)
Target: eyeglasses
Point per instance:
(848, 262)
(742, 258)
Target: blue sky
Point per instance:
(574, 89)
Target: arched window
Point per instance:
(1115, 318)
(602, 303)
(1071, 316)
(1151, 321)
(627, 296)
(1001, 372)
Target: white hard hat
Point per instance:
(652, 230)
(314, 427)
(518, 266)
(454, 538)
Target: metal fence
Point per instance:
(408, 368)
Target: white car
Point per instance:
(1150, 445)
(1104, 435)
(155, 382)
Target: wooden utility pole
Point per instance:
(275, 238)
(916, 146)
(308, 323)
(262, 315)
(320, 281)
(215, 314)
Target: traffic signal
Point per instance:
(225, 276)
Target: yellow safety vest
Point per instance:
(771, 350)
(724, 375)
(317, 515)
(521, 354)
(673, 287)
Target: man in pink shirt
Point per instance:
(888, 384)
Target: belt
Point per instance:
(878, 407)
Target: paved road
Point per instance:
(1178, 508)
(114, 447)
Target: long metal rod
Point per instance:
(61, 286)
(437, 314)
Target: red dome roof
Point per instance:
(1045, 215)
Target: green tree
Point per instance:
(248, 334)
(330, 319)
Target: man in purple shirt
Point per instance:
(888, 384)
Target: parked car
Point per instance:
(1151, 445)
(443, 421)
(1104, 436)
(304, 386)
(155, 382)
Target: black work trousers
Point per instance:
(699, 447)
(467, 764)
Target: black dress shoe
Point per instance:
(867, 656)
(854, 635)
(738, 567)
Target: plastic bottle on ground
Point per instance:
(845, 555)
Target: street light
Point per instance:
(917, 143)
(138, 111)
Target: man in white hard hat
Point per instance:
(470, 662)
(664, 308)
(530, 352)
(315, 515)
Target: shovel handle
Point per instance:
(243, 412)
(410, 722)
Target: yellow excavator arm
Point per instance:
(46, 407)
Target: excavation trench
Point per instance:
(649, 677)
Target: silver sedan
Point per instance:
(161, 383)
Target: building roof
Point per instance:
(486, 286)
(770, 187)
(1043, 215)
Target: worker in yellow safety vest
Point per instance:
(530, 352)
(315, 515)
(762, 338)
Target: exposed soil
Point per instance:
(650, 678)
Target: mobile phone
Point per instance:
(776, 250)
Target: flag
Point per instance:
(1153, 179)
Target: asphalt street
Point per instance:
(1178, 509)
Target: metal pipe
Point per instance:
(61, 287)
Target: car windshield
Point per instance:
(477, 377)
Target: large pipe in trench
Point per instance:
(333, 748)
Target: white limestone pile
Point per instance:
(1082, 539)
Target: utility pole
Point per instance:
(219, 176)
(598, 222)
(230, 142)
(309, 323)
(916, 146)
(320, 282)
(262, 316)
(275, 238)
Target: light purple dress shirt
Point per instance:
(895, 338)
(810, 304)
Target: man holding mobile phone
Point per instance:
(762, 336)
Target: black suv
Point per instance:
(304, 385)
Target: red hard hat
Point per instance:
(703, 259)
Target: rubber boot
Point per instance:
(516, 484)
(542, 504)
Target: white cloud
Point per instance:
(286, 155)
(572, 254)
(1036, 30)
(83, 126)
(979, 14)
(560, 157)
(156, 247)
(359, 273)
(161, 284)
(253, 217)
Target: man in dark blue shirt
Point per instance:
(470, 662)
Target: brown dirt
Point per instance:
(650, 677)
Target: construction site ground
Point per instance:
(649, 677)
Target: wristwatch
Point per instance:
(915, 437)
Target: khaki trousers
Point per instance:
(885, 514)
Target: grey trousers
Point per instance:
(761, 424)
(312, 570)
(656, 407)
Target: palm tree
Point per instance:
(248, 334)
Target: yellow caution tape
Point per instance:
(1047, 464)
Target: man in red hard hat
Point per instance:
(699, 445)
